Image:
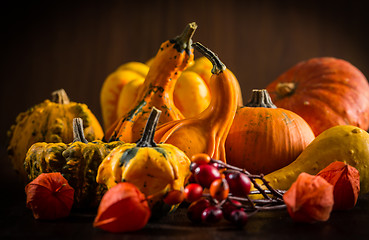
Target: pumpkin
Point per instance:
(49, 121)
(191, 92)
(345, 143)
(325, 92)
(157, 90)
(264, 138)
(77, 161)
(207, 132)
(155, 169)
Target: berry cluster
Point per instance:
(217, 190)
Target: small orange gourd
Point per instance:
(207, 132)
(172, 58)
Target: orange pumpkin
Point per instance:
(264, 138)
(325, 92)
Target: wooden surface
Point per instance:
(47, 45)
(17, 223)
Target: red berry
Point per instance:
(229, 207)
(193, 166)
(219, 189)
(239, 183)
(206, 174)
(193, 192)
(238, 217)
(194, 211)
(212, 214)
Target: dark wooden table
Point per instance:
(17, 222)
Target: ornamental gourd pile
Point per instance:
(317, 113)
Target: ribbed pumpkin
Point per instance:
(264, 138)
(155, 169)
(325, 92)
(77, 161)
(51, 122)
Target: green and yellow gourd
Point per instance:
(345, 143)
(77, 161)
(155, 169)
(51, 122)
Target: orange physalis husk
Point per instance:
(49, 196)
(123, 208)
(346, 182)
(309, 199)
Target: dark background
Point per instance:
(47, 45)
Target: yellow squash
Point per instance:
(344, 143)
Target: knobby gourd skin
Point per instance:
(77, 161)
(344, 143)
(264, 138)
(154, 168)
(207, 132)
(171, 60)
(325, 92)
(49, 121)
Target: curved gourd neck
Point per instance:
(172, 58)
(224, 96)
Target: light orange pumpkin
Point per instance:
(325, 92)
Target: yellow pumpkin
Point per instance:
(155, 169)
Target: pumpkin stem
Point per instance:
(78, 133)
(60, 96)
(285, 89)
(260, 98)
(184, 41)
(147, 138)
(218, 66)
